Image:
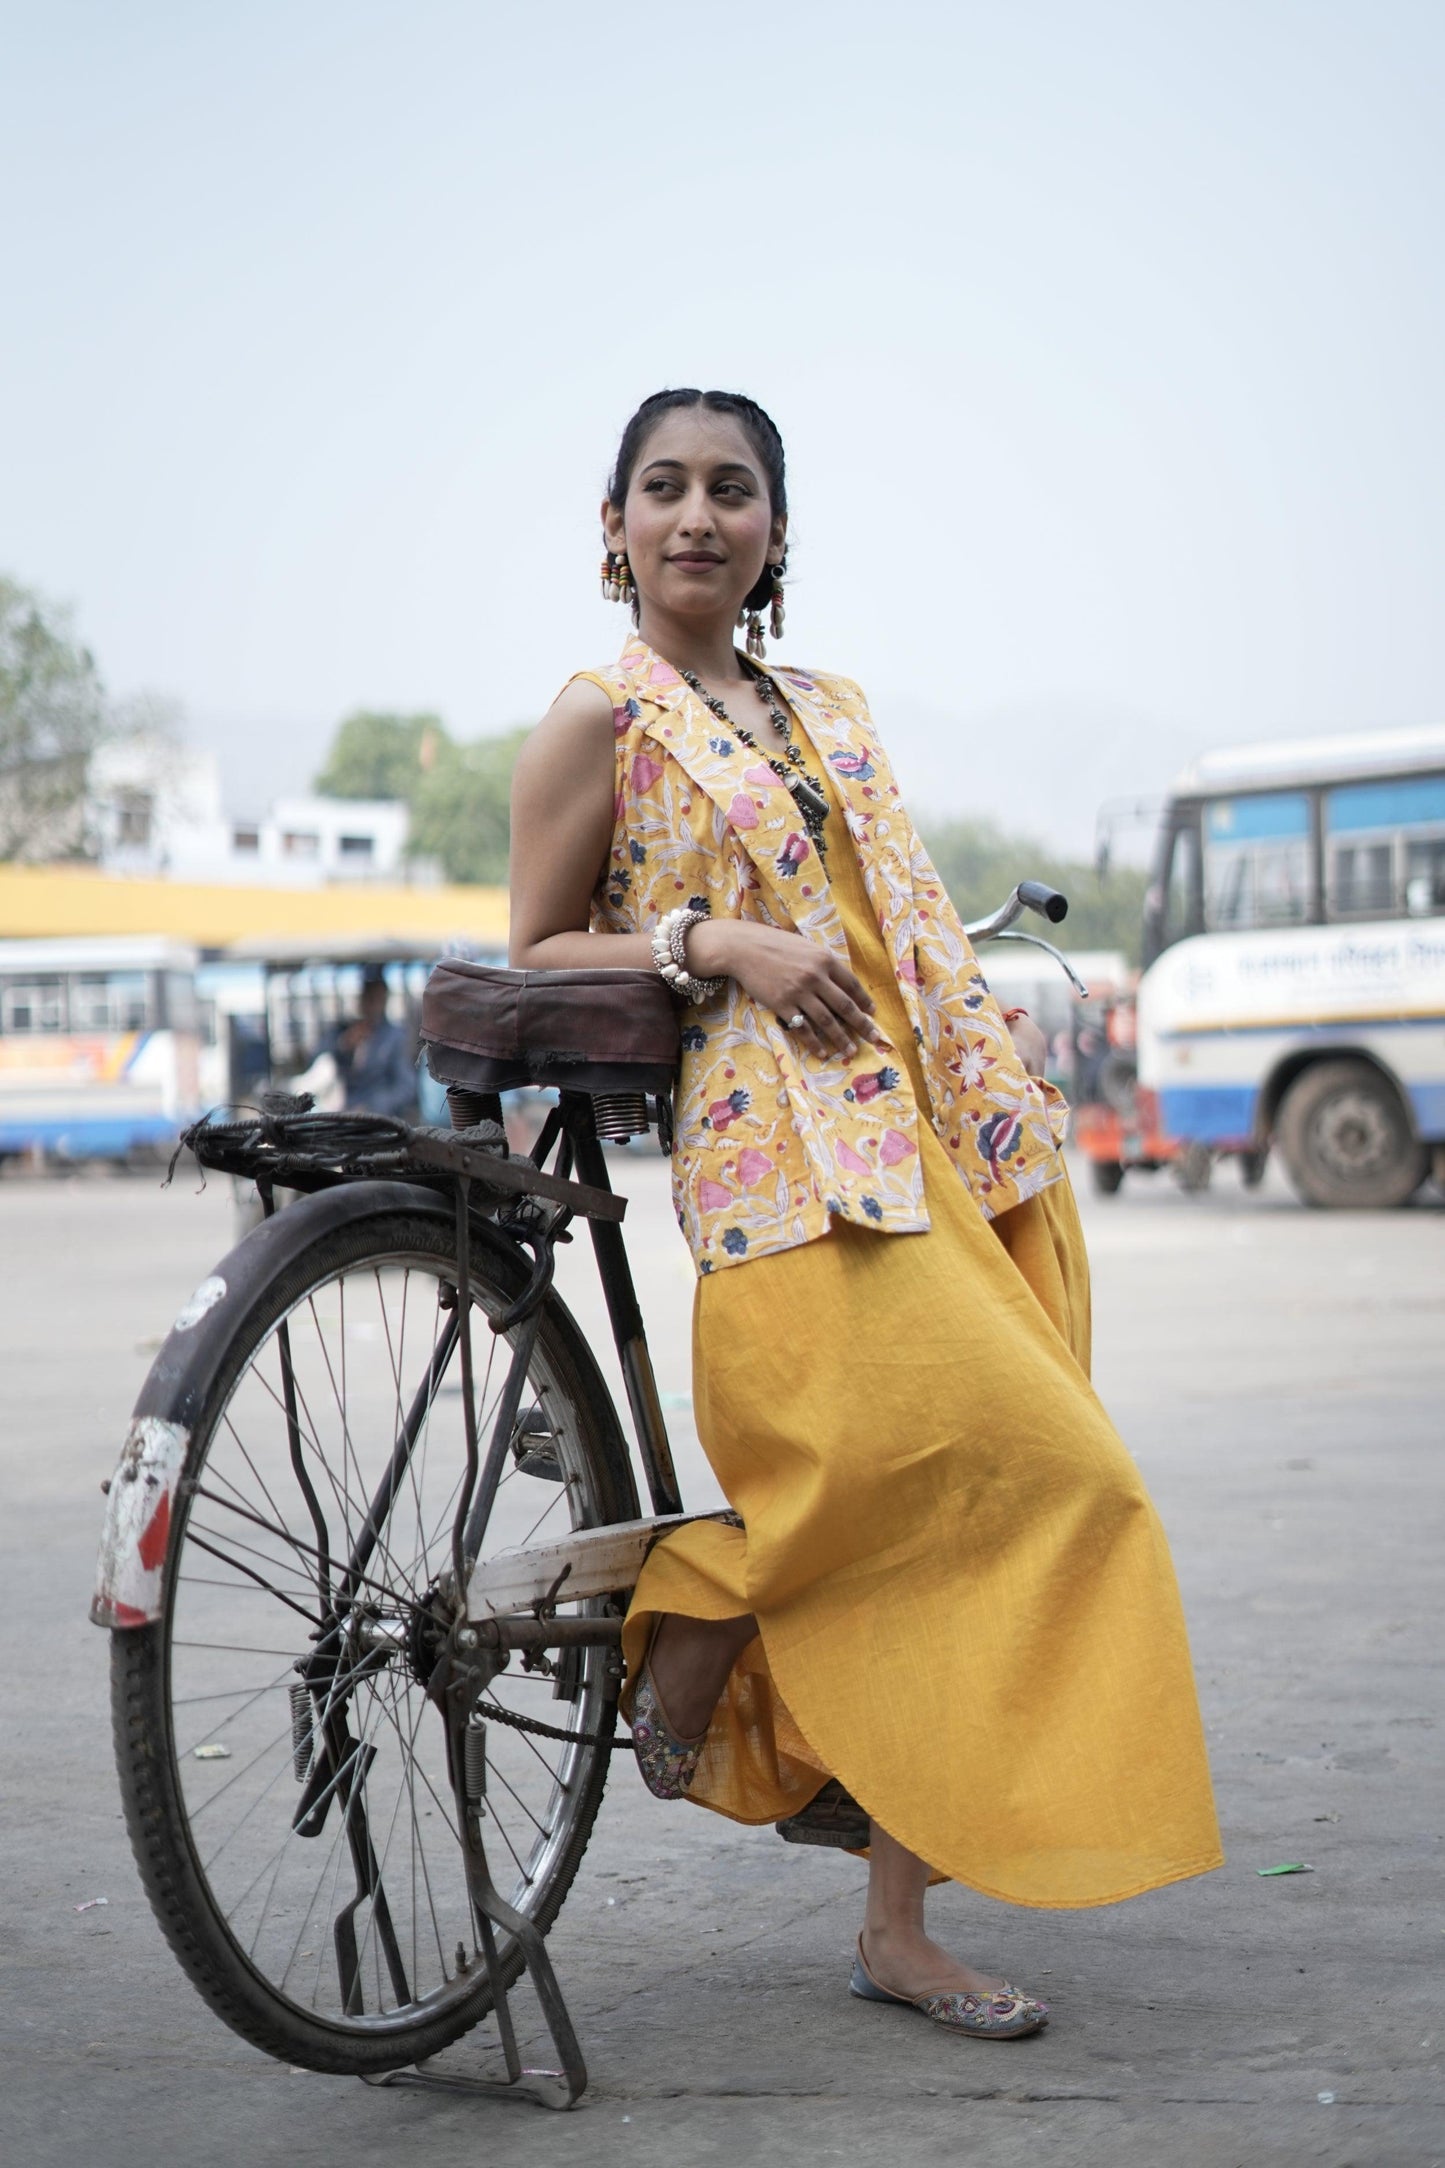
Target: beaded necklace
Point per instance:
(806, 791)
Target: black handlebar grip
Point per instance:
(1039, 897)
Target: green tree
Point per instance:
(378, 755)
(52, 717)
(979, 864)
(459, 795)
(461, 809)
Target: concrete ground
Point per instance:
(1278, 1374)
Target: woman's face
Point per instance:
(697, 526)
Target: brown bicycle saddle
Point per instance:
(493, 1030)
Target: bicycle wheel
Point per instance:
(332, 1926)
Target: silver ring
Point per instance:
(797, 1020)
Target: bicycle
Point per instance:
(368, 1552)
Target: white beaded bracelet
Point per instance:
(669, 954)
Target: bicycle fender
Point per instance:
(138, 1523)
(141, 1496)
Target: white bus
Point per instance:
(1294, 951)
(99, 1046)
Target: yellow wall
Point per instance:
(61, 900)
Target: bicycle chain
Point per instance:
(499, 1715)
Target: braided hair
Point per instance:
(758, 426)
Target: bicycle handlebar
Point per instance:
(1047, 901)
(1029, 896)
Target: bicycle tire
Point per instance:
(151, 1760)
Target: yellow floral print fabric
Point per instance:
(774, 1143)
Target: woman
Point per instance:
(949, 1594)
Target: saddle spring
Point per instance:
(620, 1116)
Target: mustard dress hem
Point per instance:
(967, 1610)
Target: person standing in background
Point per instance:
(374, 1056)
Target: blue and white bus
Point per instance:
(1294, 982)
(100, 1046)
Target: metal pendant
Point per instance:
(810, 802)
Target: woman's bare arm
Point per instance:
(562, 807)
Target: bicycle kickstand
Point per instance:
(547, 2088)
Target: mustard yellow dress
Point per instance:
(966, 1606)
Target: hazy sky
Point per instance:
(1107, 341)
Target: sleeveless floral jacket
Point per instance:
(772, 1141)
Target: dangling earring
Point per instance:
(616, 579)
(753, 619)
(775, 612)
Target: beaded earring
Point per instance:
(775, 613)
(616, 579)
(753, 619)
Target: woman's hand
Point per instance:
(1030, 1044)
(792, 977)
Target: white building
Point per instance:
(156, 809)
(309, 842)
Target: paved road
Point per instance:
(1278, 1374)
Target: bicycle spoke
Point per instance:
(232, 1648)
(191, 1701)
(302, 1580)
(383, 1588)
(381, 1865)
(291, 1604)
(540, 1827)
(272, 1686)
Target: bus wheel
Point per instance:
(1194, 1168)
(1346, 1139)
(1108, 1176)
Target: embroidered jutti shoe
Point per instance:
(999, 2013)
(668, 1764)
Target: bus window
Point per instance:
(1425, 877)
(1257, 854)
(179, 1009)
(129, 996)
(33, 1005)
(90, 1002)
(1386, 847)
(108, 1001)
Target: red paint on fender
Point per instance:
(151, 1549)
